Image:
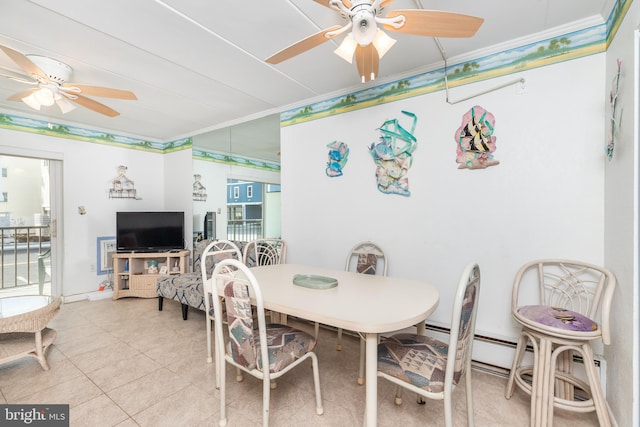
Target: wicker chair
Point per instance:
(569, 312)
(187, 288)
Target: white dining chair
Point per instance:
(263, 351)
(266, 251)
(215, 252)
(430, 367)
(365, 257)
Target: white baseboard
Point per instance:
(91, 296)
(94, 296)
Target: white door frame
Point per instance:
(55, 193)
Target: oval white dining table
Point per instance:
(364, 303)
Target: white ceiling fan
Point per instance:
(49, 80)
(367, 42)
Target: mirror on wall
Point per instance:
(235, 199)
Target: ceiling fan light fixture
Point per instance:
(45, 97)
(346, 49)
(32, 101)
(364, 27)
(64, 105)
(383, 43)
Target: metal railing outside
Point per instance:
(20, 247)
(244, 230)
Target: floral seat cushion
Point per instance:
(284, 343)
(416, 359)
(558, 317)
(367, 263)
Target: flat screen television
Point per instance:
(149, 231)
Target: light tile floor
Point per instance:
(124, 363)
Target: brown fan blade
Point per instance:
(18, 96)
(435, 23)
(325, 3)
(302, 46)
(94, 105)
(24, 63)
(103, 92)
(367, 60)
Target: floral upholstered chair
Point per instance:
(432, 368)
(187, 288)
(265, 351)
(365, 258)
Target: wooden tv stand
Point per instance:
(131, 276)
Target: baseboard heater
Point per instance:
(495, 356)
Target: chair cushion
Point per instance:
(367, 263)
(284, 343)
(416, 359)
(558, 317)
(172, 286)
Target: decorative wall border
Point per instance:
(548, 51)
(230, 159)
(545, 52)
(42, 127)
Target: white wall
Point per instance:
(621, 232)
(88, 169)
(178, 188)
(544, 199)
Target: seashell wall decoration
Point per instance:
(338, 156)
(392, 155)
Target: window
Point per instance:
(4, 172)
(5, 197)
(249, 190)
(236, 192)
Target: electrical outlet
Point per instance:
(521, 87)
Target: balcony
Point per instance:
(244, 230)
(23, 259)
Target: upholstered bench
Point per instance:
(187, 288)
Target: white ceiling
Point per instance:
(198, 65)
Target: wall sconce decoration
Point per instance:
(199, 190)
(475, 141)
(338, 156)
(393, 156)
(615, 115)
(121, 186)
